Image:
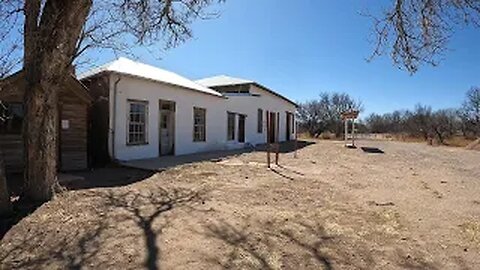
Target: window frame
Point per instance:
(260, 121)
(231, 133)
(203, 126)
(145, 123)
(7, 107)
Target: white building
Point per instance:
(253, 100)
(141, 111)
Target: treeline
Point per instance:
(426, 123)
(323, 114)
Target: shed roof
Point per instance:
(17, 79)
(126, 66)
(222, 80)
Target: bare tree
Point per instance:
(444, 124)
(471, 111)
(387, 123)
(416, 32)
(324, 113)
(54, 34)
(421, 122)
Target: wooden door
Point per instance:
(166, 128)
(241, 128)
(272, 127)
(289, 126)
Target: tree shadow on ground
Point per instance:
(145, 208)
(88, 232)
(20, 210)
(108, 177)
(274, 245)
(286, 147)
(37, 250)
(99, 178)
(303, 244)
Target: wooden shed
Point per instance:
(74, 102)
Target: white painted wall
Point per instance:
(216, 117)
(266, 101)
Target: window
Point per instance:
(260, 121)
(199, 127)
(11, 118)
(231, 127)
(233, 89)
(137, 122)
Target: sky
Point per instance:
(304, 47)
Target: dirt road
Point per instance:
(414, 207)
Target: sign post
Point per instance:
(350, 115)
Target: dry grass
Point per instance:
(458, 141)
(455, 141)
(471, 231)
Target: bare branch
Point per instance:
(416, 32)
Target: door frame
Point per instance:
(288, 126)
(239, 134)
(172, 110)
(273, 125)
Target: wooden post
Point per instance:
(268, 139)
(296, 138)
(353, 132)
(277, 138)
(346, 131)
(350, 116)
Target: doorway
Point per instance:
(166, 127)
(272, 127)
(241, 128)
(289, 126)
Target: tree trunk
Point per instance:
(41, 140)
(441, 139)
(5, 205)
(51, 34)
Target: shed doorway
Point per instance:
(166, 130)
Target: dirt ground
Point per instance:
(412, 207)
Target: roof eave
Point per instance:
(148, 79)
(262, 87)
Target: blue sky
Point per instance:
(303, 47)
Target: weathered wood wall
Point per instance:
(12, 144)
(73, 141)
(12, 150)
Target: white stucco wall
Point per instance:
(266, 101)
(185, 99)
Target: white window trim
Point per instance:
(204, 139)
(142, 102)
(234, 126)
